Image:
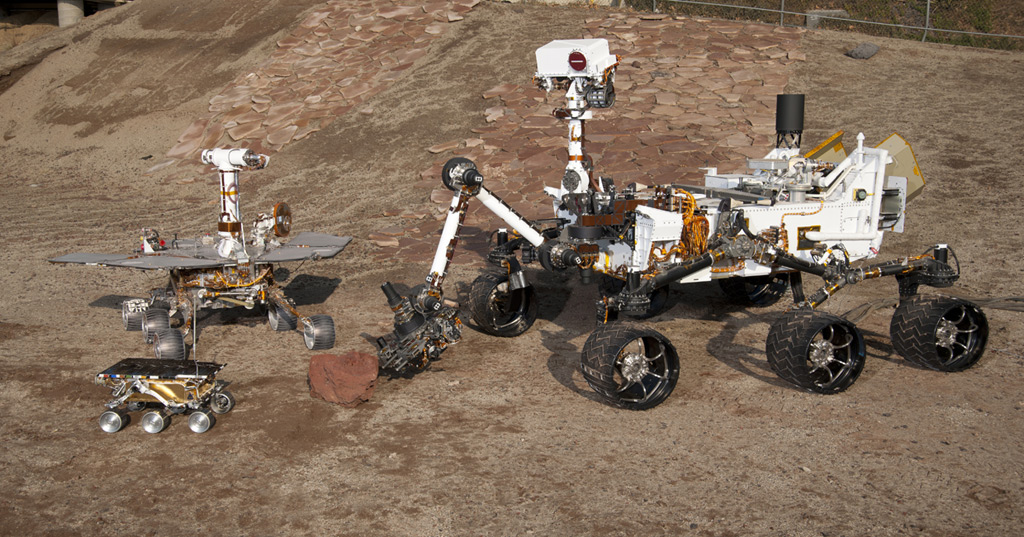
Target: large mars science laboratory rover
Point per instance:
(821, 213)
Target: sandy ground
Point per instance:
(501, 437)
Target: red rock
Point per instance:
(347, 380)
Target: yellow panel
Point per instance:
(904, 164)
(830, 150)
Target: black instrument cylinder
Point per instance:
(789, 113)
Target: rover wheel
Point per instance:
(222, 402)
(155, 421)
(501, 311)
(630, 366)
(609, 286)
(169, 344)
(200, 421)
(757, 291)
(155, 320)
(112, 421)
(318, 333)
(132, 319)
(939, 332)
(816, 351)
(280, 319)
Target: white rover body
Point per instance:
(756, 233)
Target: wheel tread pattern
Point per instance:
(480, 305)
(912, 331)
(788, 344)
(599, 372)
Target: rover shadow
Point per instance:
(112, 302)
(305, 289)
(747, 359)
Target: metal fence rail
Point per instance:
(981, 23)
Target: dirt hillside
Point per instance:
(500, 437)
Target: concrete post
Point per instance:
(70, 12)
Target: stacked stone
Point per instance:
(338, 57)
(690, 93)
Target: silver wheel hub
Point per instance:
(945, 333)
(634, 367)
(822, 353)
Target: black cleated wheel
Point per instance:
(757, 291)
(498, 310)
(318, 333)
(169, 344)
(222, 402)
(132, 318)
(280, 319)
(630, 366)
(816, 351)
(609, 286)
(939, 332)
(155, 320)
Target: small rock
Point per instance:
(442, 147)
(863, 51)
(347, 380)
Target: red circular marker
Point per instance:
(577, 60)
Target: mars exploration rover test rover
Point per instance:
(209, 272)
(757, 234)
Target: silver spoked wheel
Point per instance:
(629, 365)
(155, 320)
(169, 344)
(816, 351)
(939, 332)
(155, 421)
(222, 403)
(133, 313)
(112, 421)
(280, 319)
(200, 421)
(318, 332)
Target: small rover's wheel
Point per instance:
(757, 291)
(939, 332)
(169, 344)
(112, 421)
(280, 319)
(156, 319)
(609, 286)
(815, 350)
(132, 317)
(318, 333)
(629, 365)
(155, 421)
(200, 421)
(135, 406)
(499, 310)
(222, 402)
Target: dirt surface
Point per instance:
(500, 437)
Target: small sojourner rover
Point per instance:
(822, 213)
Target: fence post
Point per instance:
(782, 13)
(927, 19)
